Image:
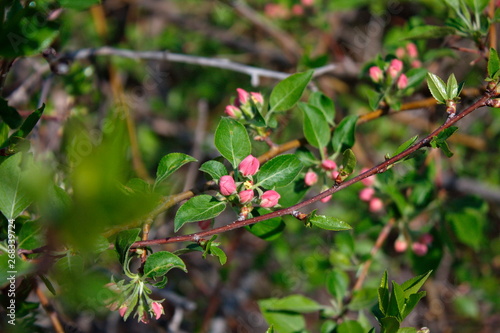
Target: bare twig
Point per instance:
(54, 319)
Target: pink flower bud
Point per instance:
(269, 199)
(375, 205)
(122, 310)
(257, 98)
(246, 196)
(412, 50)
(297, 10)
(326, 199)
(376, 74)
(204, 225)
(275, 10)
(419, 249)
(400, 52)
(400, 245)
(335, 174)
(328, 165)
(368, 181)
(227, 185)
(416, 64)
(243, 96)
(426, 239)
(395, 68)
(402, 82)
(157, 309)
(311, 178)
(366, 194)
(307, 3)
(249, 166)
(144, 318)
(232, 111)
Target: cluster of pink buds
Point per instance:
(328, 167)
(244, 191)
(409, 52)
(243, 104)
(394, 72)
(280, 11)
(419, 247)
(367, 194)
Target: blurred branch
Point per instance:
(254, 72)
(54, 319)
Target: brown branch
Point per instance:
(54, 319)
(493, 28)
(380, 168)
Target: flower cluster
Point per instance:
(327, 168)
(280, 11)
(368, 194)
(244, 192)
(134, 296)
(242, 107)
(419, 247)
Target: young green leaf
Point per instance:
(159, 263)
(14, 198)
(407, 144)
(214, 168)
(232, 141)
(123, 242)
(429, 32)
(288, 92)
(337, 282)
(343, 136)
(348, 163)
(9, 115)
(327, 222)
(416, 76)
(325, 104)
(316, 129)
(216, 251)
(171, 163)
(437, 88)
(295, 303)
(279, 171)
(452, 87)
(78, 4)
(199, 208)
(383, 294)
(268, 229)
(493, 64)
(30, 236)
(414, 284)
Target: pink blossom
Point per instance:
(376, 74)
(204, 225)
(122, 310)
(402, 82)
(249, 166)
(243, 96)
(269, 199)
(157, 309)
(368, 181)
(416, 64)
(274, 10)
(232, 111)
(419, 249)
(311, 178)
(246, 196)
(297, 10)
(335, 174)
(400, 245)
(307, 3)
(412, 50)
(326, 199)
(328, 165)
(426, 239)
(144, 318)
(257, 98)
(366, 194)
(227, 185)
(400, 52)
(376, 205)
(395, 68)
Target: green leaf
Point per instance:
(416, 76)
(493, 64)
(390, 324)
(343, 136)
(214, 168)
(30, 236)
(396, 301)
(411, 302)
(429, 32)
(407, 144)
(350, 326)
(294, 303)
(437, 88)
(29, 123)
(316, 129)
(199, 208)
(9, 115)
(284, 322)
(270, 329)
(413, 285)
(407, 330)
(169, 164)
(327, 222)
(78, 4)
(383, 294)
(440, 140)
(374, 98)
(13, 196)
(468, 226)
(232, 141)
(337, 282)
(325, 104)
(288, 92)
(159, 263)
(348, 163)
(452, 87)
(268, 229)
(216, 251)
(47, 284)
(279, 171)
(123, 242)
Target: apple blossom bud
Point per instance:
(297, 10)
(249, 166)
(426, 239)
(412, 50)
(243, 96)
(376, 205)
(204, 225)
(419, 249)
(246, 196)
(307, 2)
(416, 63)
(400, 52)
(257, 98)
(376, 74)
(326, 199)
(328, 165)
(402, 82)
(122, 310)
(232, 111)
(395, 68)
(269, 199)
(400, 245)
(366, 194)
(157, 309)
(335, 175)
(311, 178)
(368, 181)
(227, 185)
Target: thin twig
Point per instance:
(54, 319)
